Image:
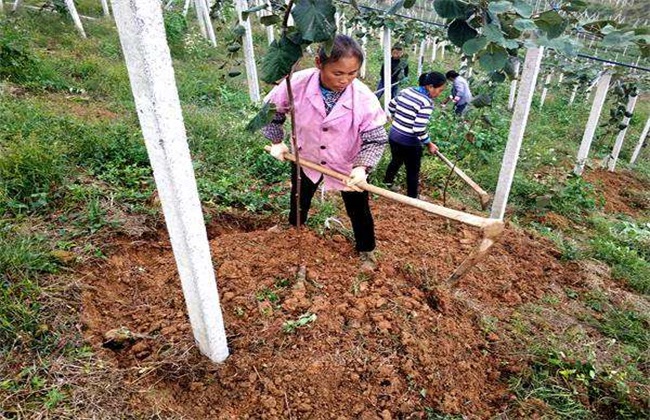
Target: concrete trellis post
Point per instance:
(421, 56)
(142, 35)
(17, 4)
(105, 8)
(442, 50)
(199, 16)
(547, 82)
(75, 17)
(387, 70)
(205, 22)
(362, 70)
(637, 149)
(513, 87)
(434, 50)
(517, 128)
(249, 54)
(613, 158)
(592, 122)
(186, 7)
(270, 34)
(2, 7)
(560, 79)
(573, 93)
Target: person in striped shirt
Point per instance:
(411, 110)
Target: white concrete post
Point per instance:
(560, 79)
(270, 34)
(592, 122)
(573, 93)
(613, 158)
(547, 81)
(105, 8)
(362, 70)
(186, 7)
(249, 54)
(75, 17)
(142, 35)
(203, 15)
(199, 16)
(421, 56)
(434, 50)
(17, 4)
(387, 70)
(442, 49)
(2, 7)
(518, 123)
(513, 87)
(639, 145)
(290, 22)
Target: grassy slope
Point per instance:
(74, 172)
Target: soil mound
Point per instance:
(393, 343)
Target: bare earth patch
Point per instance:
(389, 344)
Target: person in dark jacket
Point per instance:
(411, 110)
(399, 69)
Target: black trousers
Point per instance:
(409, 156)
(356, 204)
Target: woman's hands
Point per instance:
(432, 148)
(278, 150)
(357, 176)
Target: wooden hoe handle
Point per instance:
(490, 228)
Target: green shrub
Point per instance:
(22, 258)
(626, 263)
(30, 173)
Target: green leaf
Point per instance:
(482, 101)
(262, 118)
(618, 38)
(395, 7)
(525, 25)
(493, 33)
(460, 32)
(238, 31)
(509, 68)
(493, 58)
(500, 6)
(596, 25)
(497, 76)
(607, 29)
(523, 9)
(246, 13)
(234, 47)
(575, 6)
(269, 20)
(409, 3)
(474, 45)
(278, 60)
(551, 23)
(315, 19)
(450, 9)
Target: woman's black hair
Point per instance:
(452, 74)
(434, 78)
(344, 46)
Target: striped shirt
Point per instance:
(411, 110)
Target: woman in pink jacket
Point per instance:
(339, 124)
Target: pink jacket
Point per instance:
(332, 140)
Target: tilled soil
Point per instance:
(394, 343)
